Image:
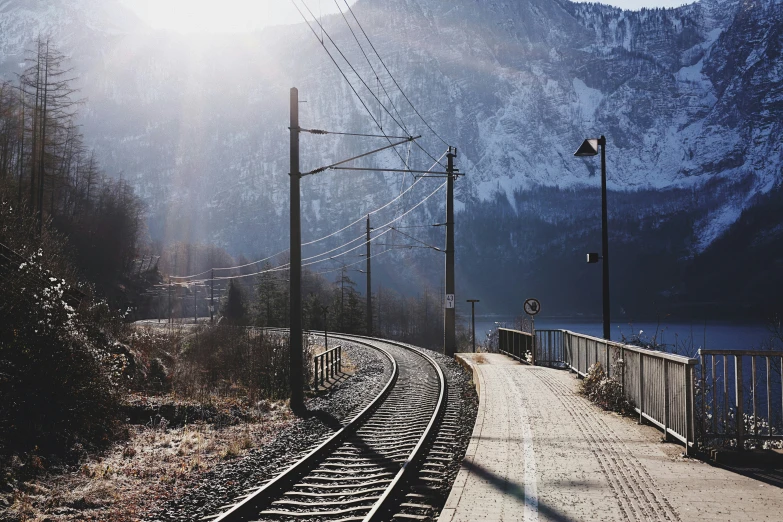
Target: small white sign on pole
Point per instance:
(449, 300)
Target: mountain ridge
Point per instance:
(689, 99)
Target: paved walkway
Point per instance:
(540, 451)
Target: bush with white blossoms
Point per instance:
(58, 377)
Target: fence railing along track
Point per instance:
(326, 365)
(659, 385)
(742, 395)
(517, 344)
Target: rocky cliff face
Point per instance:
(689, 99)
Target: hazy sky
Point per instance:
(224, 15)
(247, 15)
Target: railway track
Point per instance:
(383, 464)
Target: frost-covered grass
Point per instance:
(134, 475)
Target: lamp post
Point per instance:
(473, 320)
(589, 147)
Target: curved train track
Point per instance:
(369, 469)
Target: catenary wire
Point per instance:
(314, 240)
(392, 76)
(286, 266)
(371, 67)
(361, 100)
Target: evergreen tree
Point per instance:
(234, 310)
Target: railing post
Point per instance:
(315, 372)
(622, 372)
(754, 395)
(641, 388)
(703, 395)
(322, 368)
(769, 400)
(534, 348)
(689, 417)
(608, 366)
(666, 395)
(570, 351)
(714, 404)
(738, 404)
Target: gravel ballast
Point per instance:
(220, 486)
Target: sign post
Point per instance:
(532, 308)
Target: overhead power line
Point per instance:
(392, 76)
(285, 266)
(371, 65)
(314, 241)
(361, 100)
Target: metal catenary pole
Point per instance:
(295, 300)
(605, 242)
(212, 297)
(369, 281)
(450, 337)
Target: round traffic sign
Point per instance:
(532, 306)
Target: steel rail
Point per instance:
(251, 506)
(380, 508)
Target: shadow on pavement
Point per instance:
(515, 490)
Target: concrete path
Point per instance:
(540, 451)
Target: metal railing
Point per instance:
(517, 344)
(737, 404)
(330, 363)
(659, 386)
(549, 348)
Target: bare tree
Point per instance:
(48, 97)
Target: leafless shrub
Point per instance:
(607, 392)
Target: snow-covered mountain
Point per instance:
(690, 100)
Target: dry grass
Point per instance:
(139, 473)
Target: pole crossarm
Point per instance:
(410, 246)
(361, 135)
(404, 171)
(333, 165)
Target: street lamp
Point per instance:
(589, 147)
(473, 320)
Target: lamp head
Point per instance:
(588, 147)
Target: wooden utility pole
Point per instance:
(295, 278)
(369, 281)
(449, 322)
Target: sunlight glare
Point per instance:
(226, 16)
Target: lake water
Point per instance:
(713, 335)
